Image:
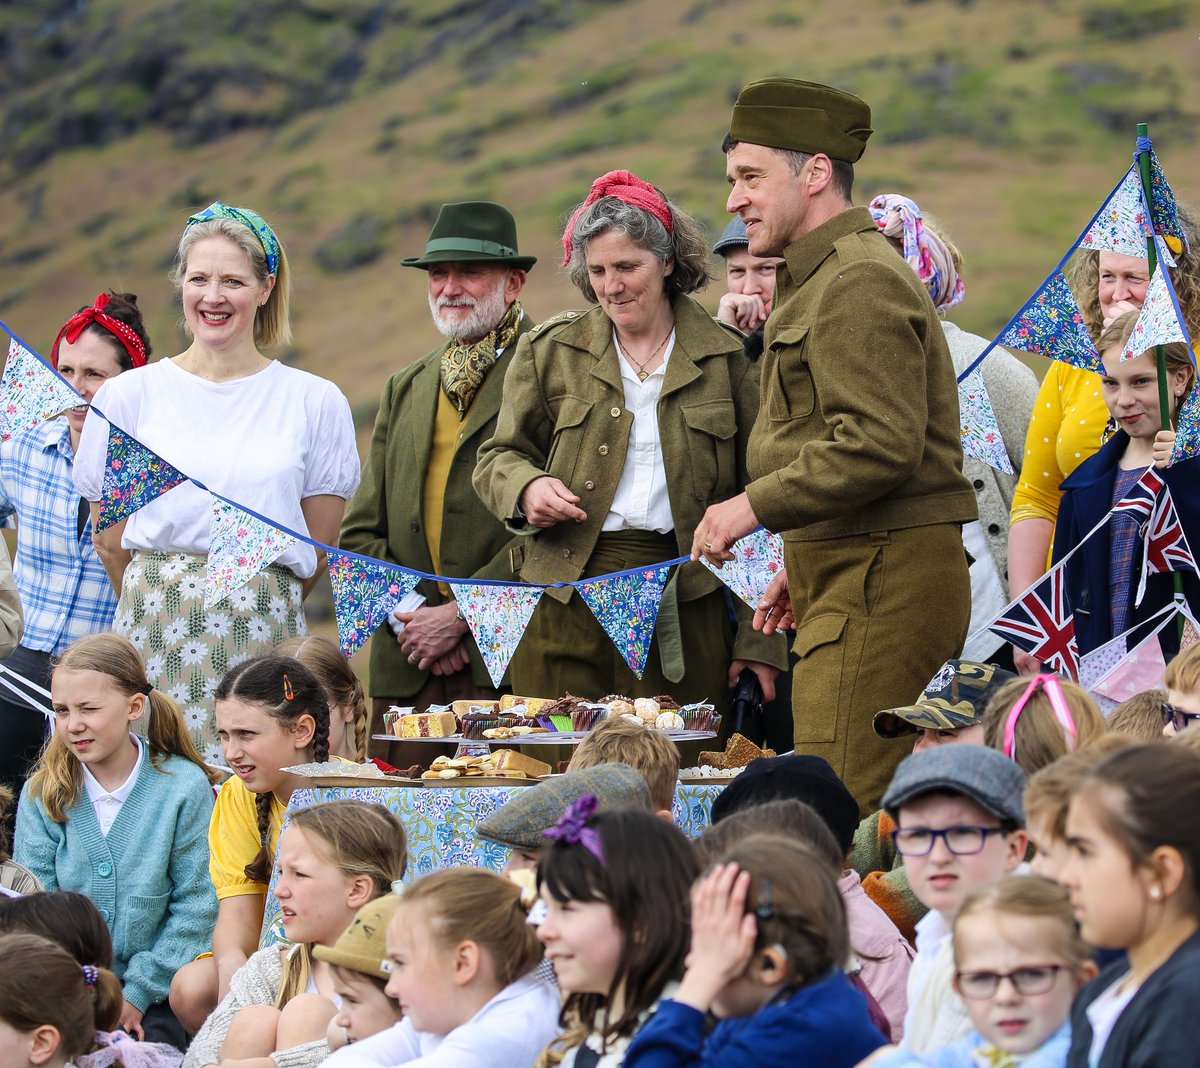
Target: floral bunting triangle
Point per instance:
(757, 558)
(1159, 322)
(1099, 662)
(626, 606)
(497, 616)
(30, 391)
(1122, 224)
(1051, 325)
(240, 545)
(1187, 428)
(1164, 215)
(364, 592)
(981, 438)
(133, 478)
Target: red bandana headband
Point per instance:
(624, 186)
(75, 326)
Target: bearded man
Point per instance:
(415, 505)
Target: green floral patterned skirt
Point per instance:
(187, 648)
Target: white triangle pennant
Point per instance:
(1122, 225)
(30, 392)
(1158, 322)
(981, 437)
(757, 558)
(240, 545)
(497, 616)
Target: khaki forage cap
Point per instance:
(803, 117)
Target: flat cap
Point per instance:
(733, 236)
(803, 117)
(520, 823)
(986, 776)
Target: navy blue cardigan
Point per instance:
(1087, 496)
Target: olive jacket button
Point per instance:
(603, 450)
(566, 554)
(615, 413)
(589, 484)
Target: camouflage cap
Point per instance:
(955, 698)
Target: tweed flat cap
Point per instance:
(803, 117)
(955, 697)
(733, 236)
(362, 946)
(986, 776)
(520, 823)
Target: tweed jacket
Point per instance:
(564, 415)
(384, 517)
(858, 430)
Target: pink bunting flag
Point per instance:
(364, 593)
(133, 478)
(31, 391)
(1051, 324)
(981, 437)
(1159, 321)
(1140, 669)
(757, 558)
(1099, 662)
(497, 616)
(240, 545)
(1122, 224)
(626, 606)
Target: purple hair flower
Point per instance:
(572, 826)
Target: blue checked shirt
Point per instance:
(65, 592)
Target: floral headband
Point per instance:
(251, 219)
(899, 218)
(1058, 702)
(123, 332)
(572, 827)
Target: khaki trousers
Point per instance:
(876, 616)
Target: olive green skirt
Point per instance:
(565, 650)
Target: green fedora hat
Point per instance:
(473, 231)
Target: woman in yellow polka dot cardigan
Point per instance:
(1069, 416)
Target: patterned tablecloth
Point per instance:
(440, 822)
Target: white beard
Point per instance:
(486, 313)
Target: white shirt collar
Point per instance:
(96, 792)
(932, 930)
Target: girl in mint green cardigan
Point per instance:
(123, 819)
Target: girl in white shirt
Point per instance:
(462, 956)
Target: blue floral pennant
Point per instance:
(364, 592)
(981, 437)
(1164, 215)
(1051, 324)
(1123, 224)
(626, 606)
(497, 616)
(240, 545)
(30, 391)
(133, 478)
(757, 558)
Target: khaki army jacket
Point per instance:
(859, 426)
(564, 415)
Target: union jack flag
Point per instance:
(1167, 548)
(1040, 621)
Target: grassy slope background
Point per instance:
(347, 122)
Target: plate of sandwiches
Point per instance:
(502, 767)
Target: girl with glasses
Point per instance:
(1019, 960)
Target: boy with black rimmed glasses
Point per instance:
(959, 825)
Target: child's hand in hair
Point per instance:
(723, 936)
(1164, 445)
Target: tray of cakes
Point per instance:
(515, 720)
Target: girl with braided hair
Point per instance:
(122, 818)
(271, 713)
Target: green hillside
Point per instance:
(348, 122)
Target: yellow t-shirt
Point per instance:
(233, 839)
(1068, 423)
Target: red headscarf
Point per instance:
(624, 186)
(125, 334)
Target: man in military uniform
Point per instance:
(415, 505)
(856, 455)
